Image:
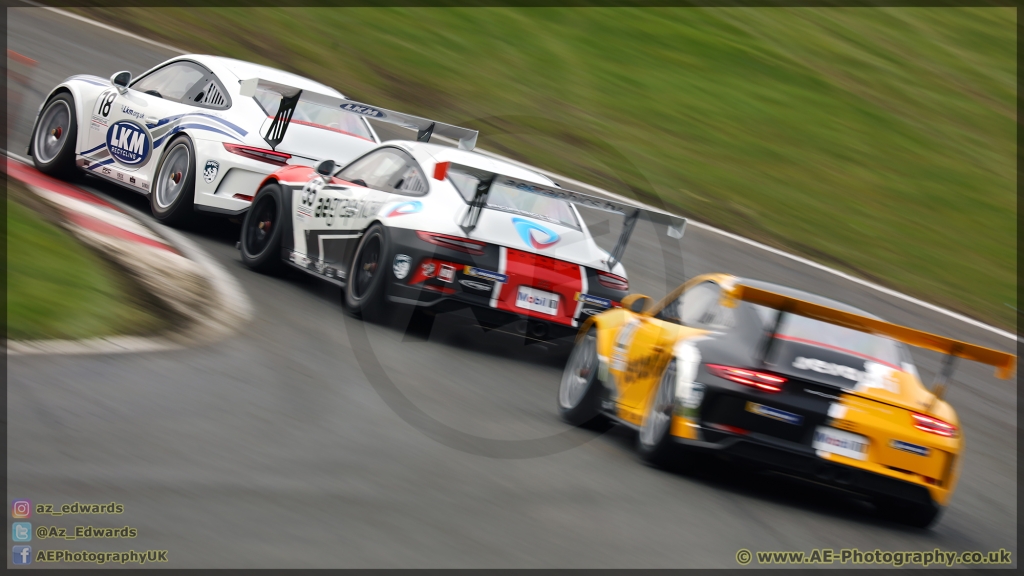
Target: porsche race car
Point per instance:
(781, 379)
(185, 134)
(441, 227)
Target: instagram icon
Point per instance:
(21, 509)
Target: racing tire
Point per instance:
(913, 515)
(263, 229)
(654, 442)
(579, 392)
(55, 137)
(173, 195)
(364, 288)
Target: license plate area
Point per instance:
(537, 300)
(841, 442)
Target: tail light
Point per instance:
(612, 281)
(759, 380)
(453, 242)
(261, 154)
(933, 425)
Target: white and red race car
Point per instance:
(184, 134)
(436, 226)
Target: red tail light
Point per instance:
(759, 380)
(453, 242)
(933, 425)
(612, 281)
(261, 154)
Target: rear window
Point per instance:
(317, 116)
(817, 333)
(509, 199)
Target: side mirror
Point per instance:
(326, 168)
(121, 80)
(637, 303)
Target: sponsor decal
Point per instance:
(401, 266)
(446, 274)
(801, 363)
(210, 171)
(131, 180)
(591, 311)
(98, 123)
(840, 442)
(405, 208)
(107, 171)
(588, 299)
(128, 143)
(481, 273)
(303, 212)
(529, 230)
(128, 111)
(363, 110)
(908, 447)
(774, 413)
(428, 269)
(474, 285)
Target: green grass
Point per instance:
(58, 288)
(879, 141)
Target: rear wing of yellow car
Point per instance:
(1003, 362)
(290, 97)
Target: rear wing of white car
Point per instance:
(676, 225)
(290, 97)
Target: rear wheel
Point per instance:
(262, 230)
(173, 195)
(579, 393)
(55, 137)
(364, 288)
(654, 441)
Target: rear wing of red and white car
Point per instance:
(675, 225)
(290, 97)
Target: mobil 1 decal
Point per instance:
(129, 143)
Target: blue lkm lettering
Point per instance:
(128, 143)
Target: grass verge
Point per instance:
(879, 141)
(58, 288)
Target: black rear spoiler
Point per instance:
(676, 224)
(290, 97)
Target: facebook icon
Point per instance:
(22, 555)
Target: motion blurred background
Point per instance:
(878, 141)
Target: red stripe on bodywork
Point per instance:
(542, 273)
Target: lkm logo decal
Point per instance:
(526, 230)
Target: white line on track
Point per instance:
(689, 222)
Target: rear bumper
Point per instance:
(803, 462)
(480, 282)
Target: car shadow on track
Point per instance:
(749, 482)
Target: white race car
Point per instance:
(183, 134)
(435, 226)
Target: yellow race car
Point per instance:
(780, 378)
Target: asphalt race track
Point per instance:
(273, 448)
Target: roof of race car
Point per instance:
(439, 153)
(243, 70)
(808, 296)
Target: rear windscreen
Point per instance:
(509, 199)
(317, 116)
(806, 330)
